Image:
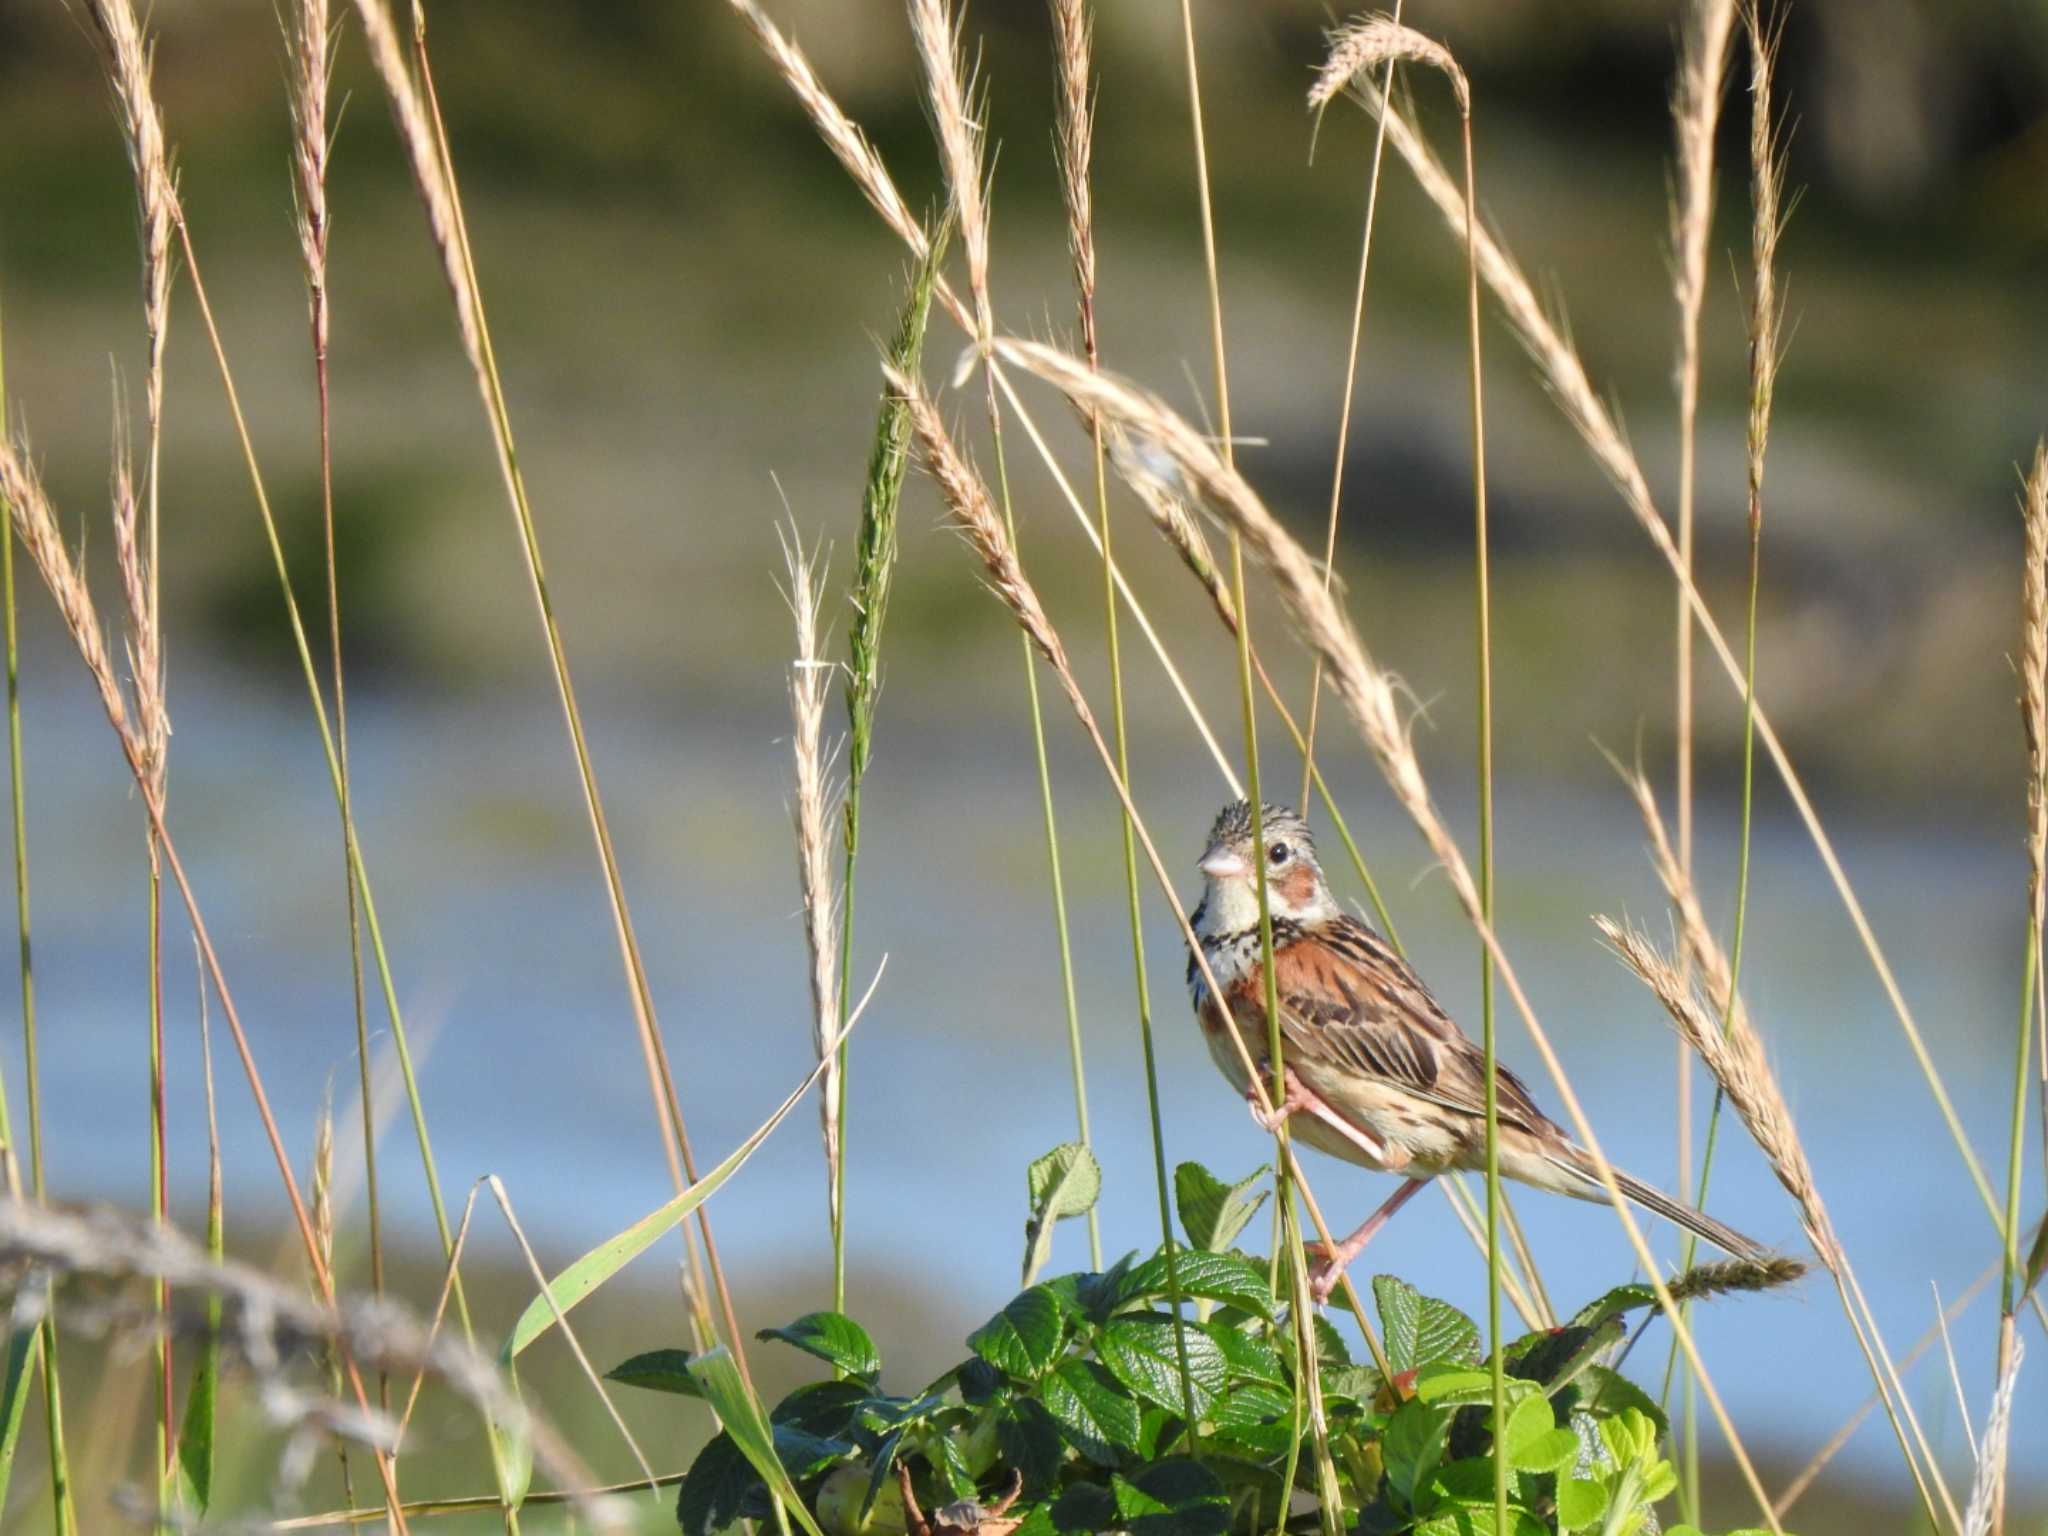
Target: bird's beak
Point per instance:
(1221, 864)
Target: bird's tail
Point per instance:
(1651, 1198)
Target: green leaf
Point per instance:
(1477, 1520)
(1141, 1349)
(1255, 1416)
(715, 1488)
(1247, 1356)
(1412, 1447)
(1084, 1506)
(1604, 1392)
(1421, 1330)
(738, 1410)
(1531, 1438)
(1096, 1416)
(1065, 1182)
(1580, 1502)
(804, 1455)
(1212, 1213)
(835, 1339)
(576, 1282)
(2037, 1262)
(1030, 1441)
(658, 1370)
(1024, 1338)
(24, 1353)
(1230, 1278)
(827, 1408)
(1176, 1497)
(1622, 1299)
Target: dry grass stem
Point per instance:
(1073, 39)
(1987, 1487)
(809, 682)
(956, 114)
(310, 39)
(1565, 376)
(1370, 41)
(1768, 213)
(1739, 1064)
(1702, 951)
(2033, 664)
(1173, 448)
(144, 637)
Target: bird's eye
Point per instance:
(1278, 854)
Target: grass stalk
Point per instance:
(310, 42)
(1372, 203)
(416, 113)
(2034, 721)
(1075, 136)
(1564, 373)
(35, 522)
(873, 572)
(64, 1517)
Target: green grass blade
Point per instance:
(23, 1356)
(740, 1412)
(576, 1282)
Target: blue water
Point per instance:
(504, 952)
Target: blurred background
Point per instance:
(685, 293)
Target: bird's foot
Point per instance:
(1298, 1098)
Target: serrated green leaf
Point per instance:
(1176, 1497)
(1419, 1329)
(1604, 1392)
(1229, 1278)
(576, 1282)
(714, 1488)
(1413, 1446)
(1551, 1451)
(833, 1338)
(827, 1408)
(1580, 1502)
(1024, 1338)
(1246, 1356)
(657, 1370)
(1255, 1416)
(1142, 1351)
(1622, 1299)
(1084, 1506)
(1065, 1182)
(1096, 1415)
(1031, 1443)
(1477, 1520)
(740, 1412)
(1213, 1213)
(1531, 1421)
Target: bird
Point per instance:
(1377, 1073)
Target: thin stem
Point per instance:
(1372, 202)
(1483, 584)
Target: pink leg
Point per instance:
(1331, 1267)
(1300, 1098)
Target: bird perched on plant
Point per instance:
(1377, 1073)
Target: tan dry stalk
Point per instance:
(1371, 41)
(1369, 694)
(1739, 1064)
(2034, 714)
(1073, 39)
(1695, 111)
(967, 498)
(35, 522)
(1702, 951)
(310, 39)
(810, 680)
(143, 637)
(1735, 1056)
(323, 1180)
(956, 115)
(1344, 408)
(1768, 213)
(1565, 377)
(426, 150)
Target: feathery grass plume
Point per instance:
(874, 572)
(310, 35)
(1726, 1277)
(142, 636)
(1986, 1512)
(810, 679)
(1073, 32)
(956, 117)
(1703, 952)
(1738, 1063)
(1369, 694)
(35, 523)
(2036, 670)
(1769, 211)
(1735, 1057)
(1370, 41)
(427, 153)
(1565, 376)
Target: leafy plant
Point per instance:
(1071, 1396)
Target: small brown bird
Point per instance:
(1377, 1073)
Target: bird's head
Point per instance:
(1295, 887)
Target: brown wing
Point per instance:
(1347, 998)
